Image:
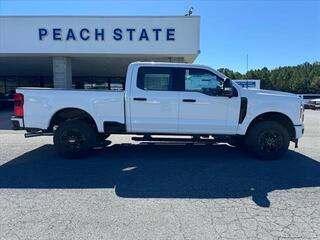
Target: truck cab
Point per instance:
(181, 98)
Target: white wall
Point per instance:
(20, 35)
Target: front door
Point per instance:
(203, 109)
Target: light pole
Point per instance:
(247, 68)
(247, 62)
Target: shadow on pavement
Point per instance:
(164, 171)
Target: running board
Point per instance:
(163, 139)
(37, 134)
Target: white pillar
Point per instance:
(62, 72)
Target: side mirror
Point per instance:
(227, 90)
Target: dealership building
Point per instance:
(89, 52)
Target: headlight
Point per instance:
(301, 112)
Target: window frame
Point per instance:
(183, 80)
(175, 78)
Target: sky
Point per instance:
(272, 33)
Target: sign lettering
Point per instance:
(99, 34)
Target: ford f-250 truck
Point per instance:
(163, 99)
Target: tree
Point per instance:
(303, 78)
(315, 84)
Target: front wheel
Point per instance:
(268, 140)
(74, 139)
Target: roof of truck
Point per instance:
(172, 64)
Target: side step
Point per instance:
(195, 139)
(37, 134)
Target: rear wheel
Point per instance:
(268, 140)
(74, 139)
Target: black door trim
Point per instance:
(243, 109)
(139, 99)
(189, 100)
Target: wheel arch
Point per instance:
(281, 118)
(71, 113)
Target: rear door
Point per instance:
(154, 103)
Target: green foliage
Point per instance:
(303, 78)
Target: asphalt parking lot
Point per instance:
(132, 190)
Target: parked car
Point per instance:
(6, 100)
(314, 104)
(1, 101)
(168, 99)
(307, 98)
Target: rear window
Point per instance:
(155, 78)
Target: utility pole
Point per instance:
(247, 62)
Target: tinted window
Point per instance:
(200, 80)
(155, 78)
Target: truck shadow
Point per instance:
(164, 171)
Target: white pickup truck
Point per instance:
(163, 99)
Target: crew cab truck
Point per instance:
(163, 99)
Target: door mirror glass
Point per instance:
(227, 90)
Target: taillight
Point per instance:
(18, 104)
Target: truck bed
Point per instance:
(40, 104)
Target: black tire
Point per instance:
(74, 139)
(268, 140)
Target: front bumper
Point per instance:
(299, 130)
(17, 123)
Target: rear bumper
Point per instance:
(17, 123)
(299, 130)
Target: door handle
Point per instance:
(188, 100)
(139, 99)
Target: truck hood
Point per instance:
(271, 93)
